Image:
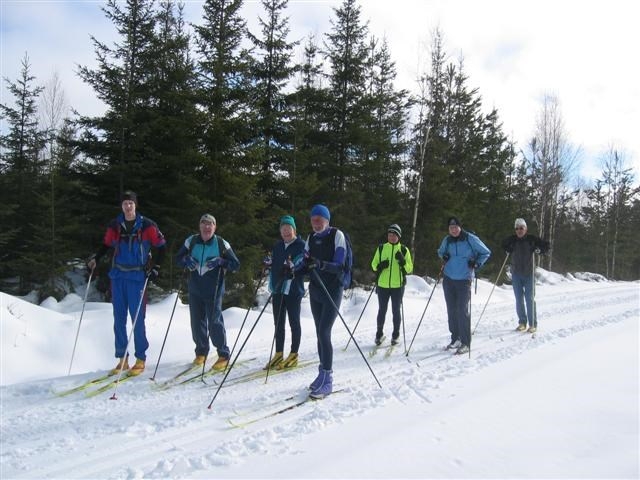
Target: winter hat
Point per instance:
(288, 220)
(395, 228)
(454, 221)
(129, 195)
(520, 223)
(321, 211)
(208, 218)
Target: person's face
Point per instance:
(129, 209)
(454, 230)
(287, 232)
(521, 231)
(392, 237)
(207, 229)
(319, 223)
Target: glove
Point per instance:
(472, 264)
(537, 250)
(266, 261)
(216, 262)
(287, 269)
(312, 263)
(446, 257)
(153, 273)
(400, 258)
(382, 265)
(190, 262)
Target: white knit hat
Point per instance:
(520, 223)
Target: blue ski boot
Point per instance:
(326, 385)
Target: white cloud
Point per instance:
(514, 53)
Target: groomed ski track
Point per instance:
(138, 432)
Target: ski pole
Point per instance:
(469, 329)
(425, 309)
(133, 327)
(239, 352)
(324, 287)
(490, 293)
(86, 292)
(404, 333)
(215, 300)
(534, 319)
(153, 379)
(255, 294)
(361, 313)
(273, 342)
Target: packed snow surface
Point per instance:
(560, 404)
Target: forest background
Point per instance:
(212, 117)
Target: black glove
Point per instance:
(153, 273)
(287, 270)
(266, 262)
(537, 250)
(382, 265)
(400, 258)
(312, 263)
(472, 264)
(446, 257)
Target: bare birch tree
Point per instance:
(551, 163)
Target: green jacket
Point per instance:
(394, 275)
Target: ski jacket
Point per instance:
(132, 249)
(203, 278)
(280, 254)
(394, 275)
(521, 252)
(328, 246)
(466, 253)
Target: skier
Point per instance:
(324, 258)
(207, 256)
(521, 247)
(131, 237)
(392, 263)
(287, 289)
(463, 253)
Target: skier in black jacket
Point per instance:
(521, 247)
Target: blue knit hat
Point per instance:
(321, 211)
(288, 220)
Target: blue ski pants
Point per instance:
(324, 316)
(125, 297)
(523, 291)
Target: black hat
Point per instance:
(129, 195)
(454, 221)
(395, 228)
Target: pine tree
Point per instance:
(22, 178)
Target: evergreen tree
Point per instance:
(272, 70)
(228, 175)
(22, 178)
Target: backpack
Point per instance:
(347, 273)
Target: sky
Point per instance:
(515, 53)
(561, 405)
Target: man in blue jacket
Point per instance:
(463, 253)
(207, 256)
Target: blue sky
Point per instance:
(514, 53)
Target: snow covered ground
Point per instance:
(561, 405)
